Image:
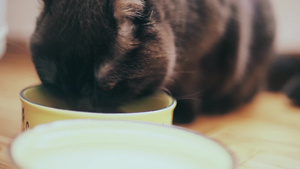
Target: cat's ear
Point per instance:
(125, 11)
(47, 3)
(128, 9)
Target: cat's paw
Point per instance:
(183, 119)
(292, 90)
(184, 112)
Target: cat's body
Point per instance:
(211, 54)
(284, 76)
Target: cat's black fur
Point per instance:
(211, 54)
(284, 76)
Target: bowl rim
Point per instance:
(22, 97)
(229, 152)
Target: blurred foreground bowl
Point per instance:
(114, 144)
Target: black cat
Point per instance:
(211, 54)
(284, 76)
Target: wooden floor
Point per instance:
(265, 134)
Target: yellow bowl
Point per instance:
(41, 106)
(116, 144)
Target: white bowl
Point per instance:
(113, 144)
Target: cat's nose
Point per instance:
(107, 86)
(83, 104)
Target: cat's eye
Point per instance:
(85, 89)
(106, 86)
(110, 86)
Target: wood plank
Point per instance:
(264, 134)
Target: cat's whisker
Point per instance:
(151, 14)
(170, 80)
(166, 90)
(185, 72)
(192, 99)
(18, 46)
(189, 95)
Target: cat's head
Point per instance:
(102, 53)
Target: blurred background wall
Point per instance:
(3, 27)
(288, 25)
(21, 16)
